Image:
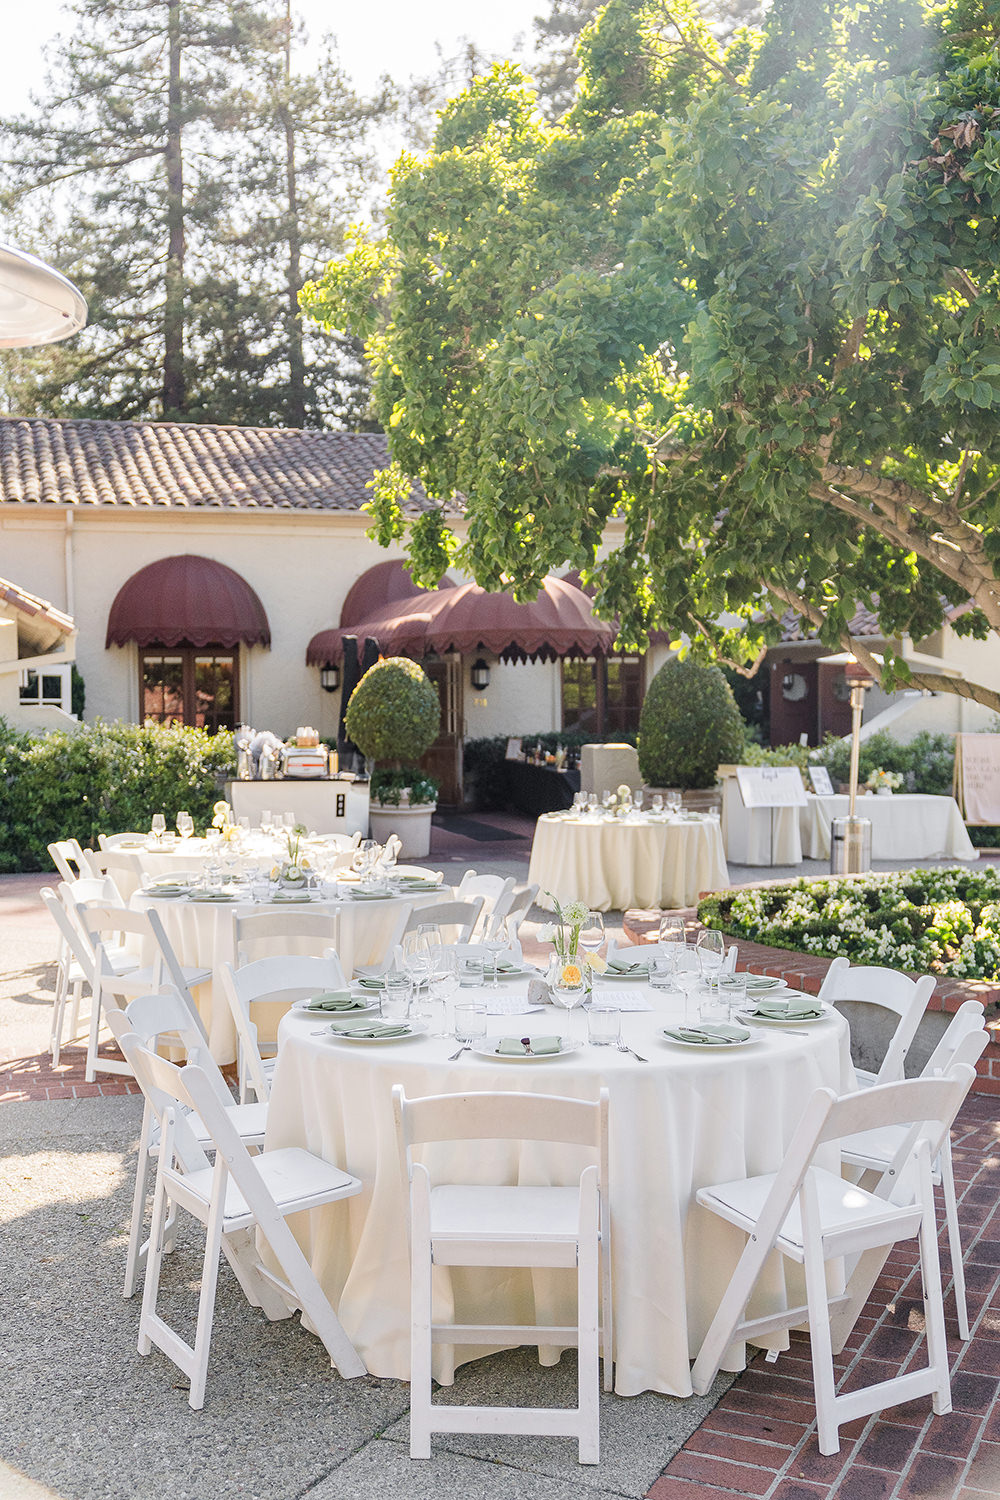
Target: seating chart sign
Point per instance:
(977, 777)
(771, 786)
(821, 783)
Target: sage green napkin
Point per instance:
(793, 1009)
(369, 895)
(710, 1035)
(210, 896)
(416, 880)
(623, 965)
(337, 1000)
(291, 896)
(764, 982)
(370, 982)
(539, 1046)
(370, 1031)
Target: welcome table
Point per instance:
(904, 826)
(614, 863)
(686, 1118)
(203, 934)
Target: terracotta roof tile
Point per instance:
(53, 461)
(864, 622)
(28, 604)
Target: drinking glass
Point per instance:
(672, 940)
(567, 989)
(604, 1024)
(711, 948)
(265, 820)
(496, 941)
(442, 986)
(416, 955)
(637, 800)
(675, 801)
(470, 1022)
(607, 798)
(158, 826)
(657, 802)
(185, 825)
(733, 989)
(592, 934)
(592, 802)
(394, 1000)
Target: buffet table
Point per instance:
(534, 790)
(321, 804)
(614, 863)
(687, 1117)
(904, 826)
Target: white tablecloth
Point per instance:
(614, 864)
(904, 826)
(202, 934)
(758, 835)
(682, 1120)
(194, 854)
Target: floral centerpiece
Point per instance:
(623, 800)
(295, 868)
(564, 935)
(884, 781)
(222, 822)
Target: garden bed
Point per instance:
(943, 922)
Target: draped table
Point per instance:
(759, 835)
(203, 935)
(613, 863)
(194, 854)
(686, 1118)
(904, 826)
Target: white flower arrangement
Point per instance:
(884, 781)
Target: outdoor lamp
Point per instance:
(329, 677)
(480, 674)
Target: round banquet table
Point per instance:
(615, 863)
(686, 1118)
(904, 826)
(203, 935)
(194, 854)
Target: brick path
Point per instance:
(24, 1078)
(760, 1440)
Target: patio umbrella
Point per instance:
(351, 676)
(38, 305)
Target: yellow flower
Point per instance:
(571, 974)
(595, 962)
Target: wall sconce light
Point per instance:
(480, 675)
(329, 678)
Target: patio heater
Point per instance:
(37, 304)
(851, 837)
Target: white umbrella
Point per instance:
(38, 305)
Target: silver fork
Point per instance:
(466, 1048)
(622, 1047)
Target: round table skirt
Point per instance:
(904, 826)
(682, 1120)
(613, 864)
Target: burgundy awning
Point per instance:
(557, 623)
(377, 590)
(187, 600)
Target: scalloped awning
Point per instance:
(187, 600)
(557, 623)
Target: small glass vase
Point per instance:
(567, 979)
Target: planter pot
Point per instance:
(411, 824)
(883, 791)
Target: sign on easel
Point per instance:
(771, 786)
(977, 777)
(821, 783)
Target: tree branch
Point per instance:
(706, 57)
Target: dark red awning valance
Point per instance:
(192, 600)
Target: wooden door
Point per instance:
(444, 758)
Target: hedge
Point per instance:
(103, 778)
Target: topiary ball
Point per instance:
(394, 713)
(688, 727)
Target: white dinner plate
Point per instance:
(764, 984)
(679, 1041)
(416, 1028)
(752, 1015)
(486, 1048)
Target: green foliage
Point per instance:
(688, 727)
(743, 302)
(778, 755)
(77, 691)
(394, 713)
(926, 763)
(387, 786)
(103, 778)
(927, 921)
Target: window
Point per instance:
(189, 685)
(602, 695)
(49, 688)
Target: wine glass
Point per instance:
(497, 940)
(657, 802)
(158, 826)
(443, 983)
(711, 948)
(265, 820)
(417, 955)
(637, 797)
(607, 798)
(672, 939)
(592, 934)
(185, 825)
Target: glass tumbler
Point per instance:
(604, 1024)
(397, 992)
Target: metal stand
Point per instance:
(850, 846)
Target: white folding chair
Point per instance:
(146, 929)
(494, 889)
(399, 918)
(964, 1041)
(456, 919)
(455, 1224)
(317, 929)
(67, 856)
(891, 991)
(76, 960)
(116, 840)
(271, 981)
(513, 909)
(238, 1196)
(124, 869)
(168, 1016)
(811, 1215)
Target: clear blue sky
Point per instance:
(387, 36)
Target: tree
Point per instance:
(755, 326)
(189, 177)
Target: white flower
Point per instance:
(546, 933)
(574, 912)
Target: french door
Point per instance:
(197, 685)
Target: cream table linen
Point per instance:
(684, 1119)
(904, 826)
(614, 863)
(202, 934)
(758, 835)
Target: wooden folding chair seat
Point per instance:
(811, 1215)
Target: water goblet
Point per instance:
(266, 820)
(607, 798)
(185, 825)
(158, 826)
(442, 985)
(637, 797)
(496, 941)
(711, 949)
(657, 802)
(672, 940)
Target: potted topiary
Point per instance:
(393, 717)
(689, 726)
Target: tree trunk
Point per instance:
(174, 394)
(296, 406)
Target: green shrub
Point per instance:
(926, 763)
(779, 755)
(387, 786)
(394, 713)
(688, 727)
(928, 921)
(103, 778)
